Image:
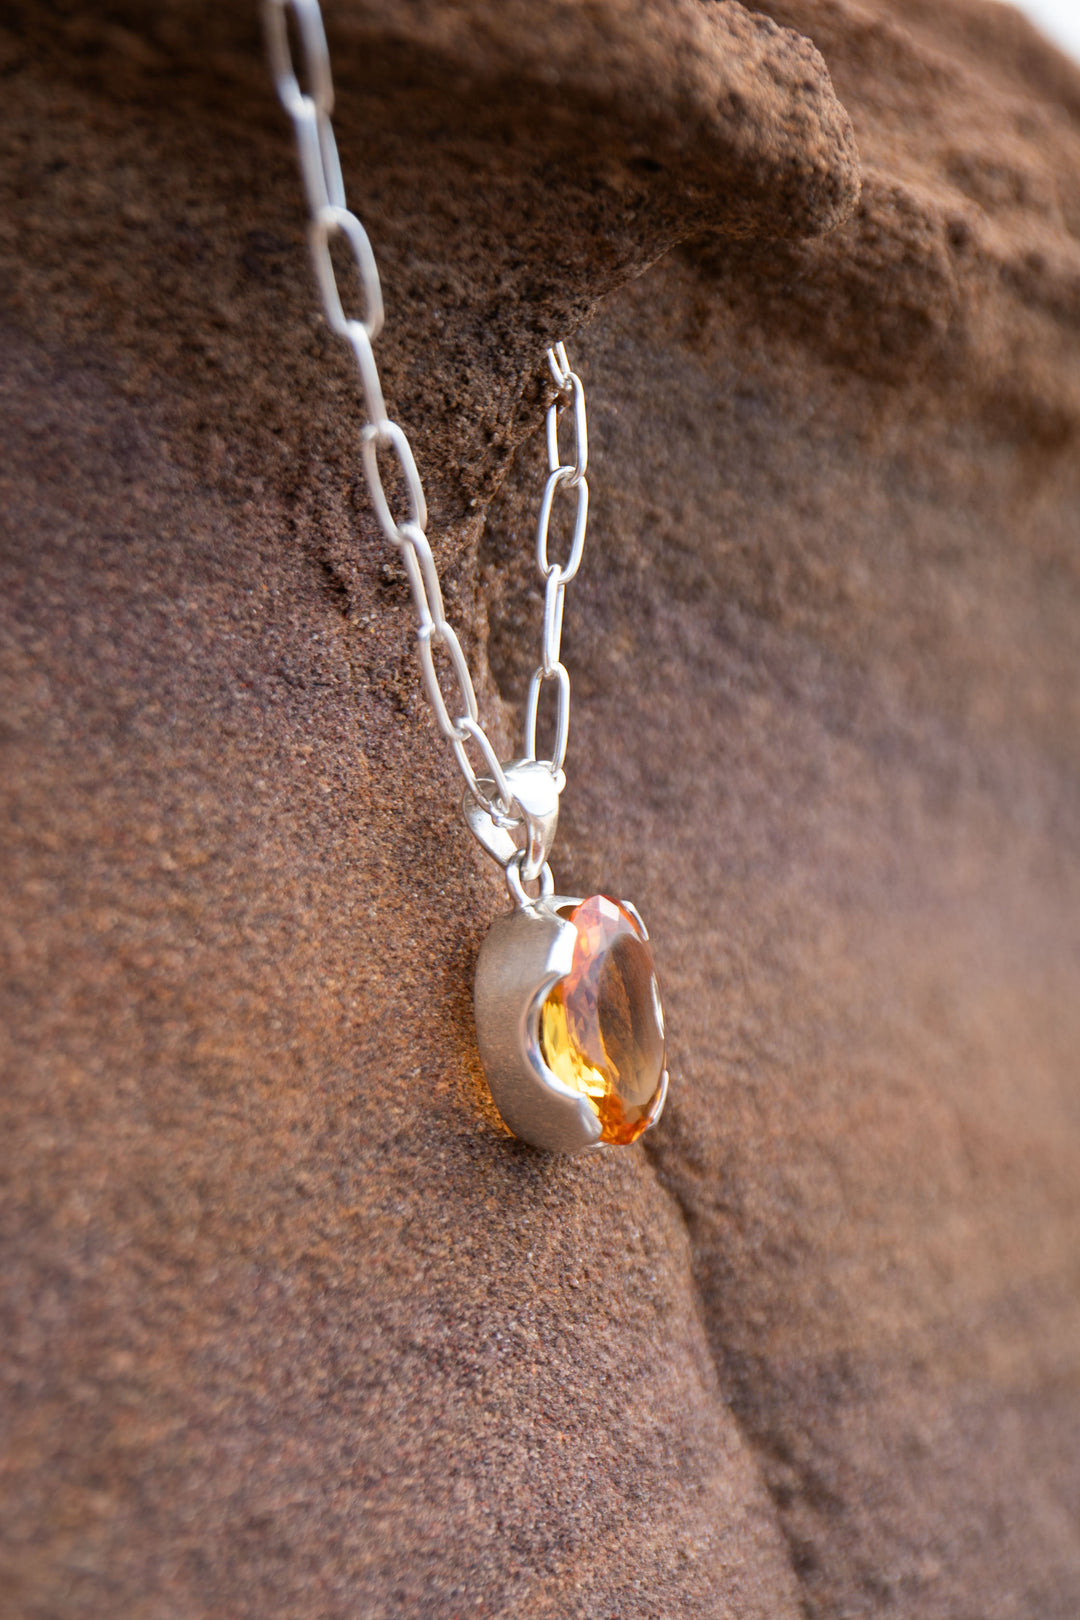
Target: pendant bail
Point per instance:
(534, 806)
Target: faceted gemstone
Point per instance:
(602, 1028)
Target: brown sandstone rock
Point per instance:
(291, 1326)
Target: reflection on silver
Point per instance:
(531, 812)
(524, 955)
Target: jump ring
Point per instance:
(516, 886)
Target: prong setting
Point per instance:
(527, 954)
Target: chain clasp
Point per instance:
(534, 809)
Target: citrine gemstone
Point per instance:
(602, 1027)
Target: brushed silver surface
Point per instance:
(525, 953)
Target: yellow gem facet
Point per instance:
(602, 1028)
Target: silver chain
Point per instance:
(320, 170)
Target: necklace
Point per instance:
(568, 1016)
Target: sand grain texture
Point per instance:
(291, 1327)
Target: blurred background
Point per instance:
(1058, 19)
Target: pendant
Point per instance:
(568, 1015)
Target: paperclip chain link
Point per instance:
(310, 109)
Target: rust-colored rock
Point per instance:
(291, 1326)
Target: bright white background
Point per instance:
(1058, 19)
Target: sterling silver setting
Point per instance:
(524, 955)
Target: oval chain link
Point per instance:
(320, 169)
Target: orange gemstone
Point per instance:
(602, 1028)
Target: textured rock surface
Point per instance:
(291, 1327)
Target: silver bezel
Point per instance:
(524, 955)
